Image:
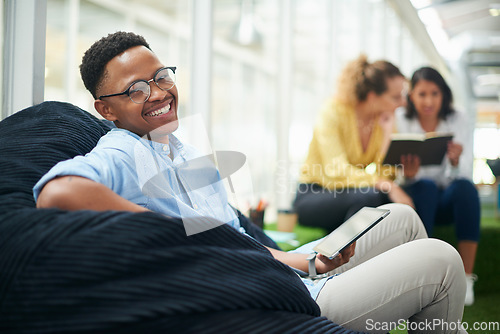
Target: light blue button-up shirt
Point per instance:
(173, 179)
(185, 186)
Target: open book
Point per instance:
(430, 147)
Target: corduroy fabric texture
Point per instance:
(35, 139)
(119, 272)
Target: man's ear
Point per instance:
(104, 110)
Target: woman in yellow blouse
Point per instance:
(353, 132)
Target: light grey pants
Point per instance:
(398, 276)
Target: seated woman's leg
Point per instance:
(460, 203)
(319, 207)
(425, 195)
(421, 281)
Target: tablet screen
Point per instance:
(350, 231)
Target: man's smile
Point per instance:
(158, 112)
(166, 108)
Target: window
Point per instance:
(257, 89)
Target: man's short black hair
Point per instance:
(101, 52)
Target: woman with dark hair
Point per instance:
(442, 193)
(352, 133)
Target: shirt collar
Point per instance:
(156, 146)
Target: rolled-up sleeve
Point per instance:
(88, 166)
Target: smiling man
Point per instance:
(396, 272)
(140, 165)
(128, 70)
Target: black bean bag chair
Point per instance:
(121, 272)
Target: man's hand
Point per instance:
(325, 264)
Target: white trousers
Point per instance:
(398, 277)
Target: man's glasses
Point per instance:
(139, 91)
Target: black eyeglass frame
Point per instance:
(127, 91)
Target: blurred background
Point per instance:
(257, 71)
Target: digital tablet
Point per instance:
(350, 231)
